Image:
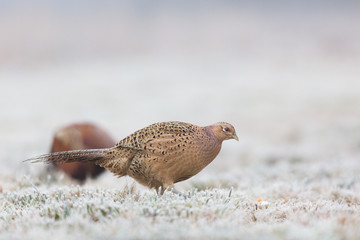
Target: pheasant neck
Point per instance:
(212, 145)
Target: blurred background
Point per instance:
(284, 73)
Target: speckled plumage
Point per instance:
(158, 155)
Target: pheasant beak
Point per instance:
(235, 137)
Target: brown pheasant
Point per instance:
(156, 156)
(76, 137)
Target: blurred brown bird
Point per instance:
(76, 137)
(156, 156)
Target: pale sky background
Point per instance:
(286, 74)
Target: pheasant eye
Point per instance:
(225, 129)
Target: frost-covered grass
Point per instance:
(327, 207)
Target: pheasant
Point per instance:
(80, 136)
(157, 156)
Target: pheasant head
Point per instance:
(224, 131)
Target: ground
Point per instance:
(292, 202)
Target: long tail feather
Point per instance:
(90, 155)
